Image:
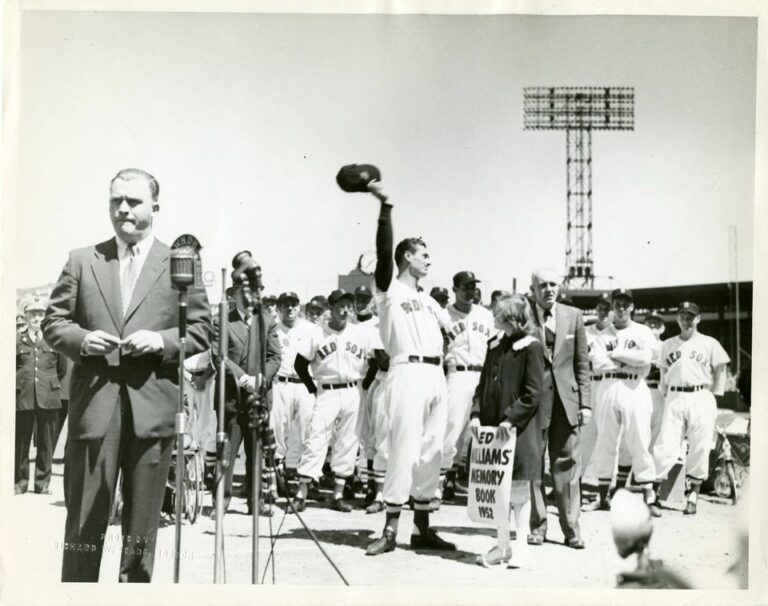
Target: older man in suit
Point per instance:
(244, 375)
(39, 371)
(115, 314)
(566, 399)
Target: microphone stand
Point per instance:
(221, 435)
(255, 419)
(181, 422)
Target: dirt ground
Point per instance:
(700, 548)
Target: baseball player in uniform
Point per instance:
(693, 371)
(622, 354)
(604, 315)
(655, 322)
(291, 402)
(316, 310)
(466, 344)
(337, 351)
(440, 294)
(410, 324)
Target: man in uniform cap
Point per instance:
(39, 371)
(21, 323)
(317, 309)
(439, 294)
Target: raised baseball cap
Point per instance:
(688, 307)
(269, 299)
(438, 292)
(35, 304)
(356, 177)
(287, 296)
(339, 294)
(464, 278)
(363, 290)
(622, 293)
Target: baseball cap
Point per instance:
(438, 292)
(269, 299)
(318, 302)
(603, 299)
(339, 294)
(688, 307)
(287, 296)
(35, 304)
(363, 291)
(654, 313)
(622, 292)
(464, 278)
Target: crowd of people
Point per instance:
(387, 384)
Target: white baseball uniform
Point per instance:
(687, 372)
(338, 359)
(410, 325)
(624, 402)
(371, 328)
(588, 436)
(467, 343)
(291, 402)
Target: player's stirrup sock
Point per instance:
(693, 495)
(603, 488)
(421, 521)
(338, 488)
(622, 475)
(392, 520)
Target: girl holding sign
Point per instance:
(508, 396)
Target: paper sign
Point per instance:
(490, 476)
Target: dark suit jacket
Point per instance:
(570, 362)
(39, 371)
(239, 338)
(511, 389)
(87, 298)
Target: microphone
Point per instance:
(247, 268)
(185, 252)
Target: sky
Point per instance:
(245, 119)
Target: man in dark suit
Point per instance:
(243, 376)
(566, 399)
(39, 371)
(114, 312)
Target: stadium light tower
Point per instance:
(578, 110)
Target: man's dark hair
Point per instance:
(408, 245)
(134, 173)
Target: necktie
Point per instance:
(547, 314)
(129, 275)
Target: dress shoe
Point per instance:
(383, 544)
(339, 505)
(690, 508)
(299, 505)
(18, 490)
(45, 490)
(597, 505)
(575, 542)
(434, 504)
(431, 541)
(535, 539)
(375, 507)
(494, 556)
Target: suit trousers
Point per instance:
(563, 443)
(236, 426)
(90, 476)
(43, 423)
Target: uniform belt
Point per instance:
(288, 379)
(619, 375)
(653, 384)
(338, 385)
(687, 388)
(597, 377)
(434, 360)
(470, 368)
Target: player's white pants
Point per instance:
(460, 387)
(380, 425)
(333, 416)
(289, 419)
(691, 416)
(588, 438)
(417, 402)
(625, 406)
